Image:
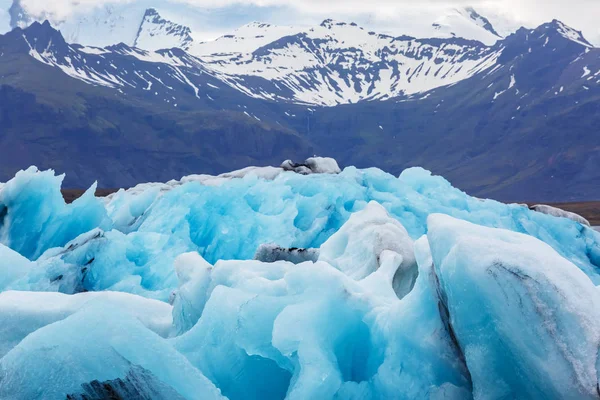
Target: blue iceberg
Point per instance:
(273, 283)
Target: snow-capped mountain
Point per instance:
(466, 23)
(333, 63)
(156, 33)
(337, 63)
(472, 111)
(330, 64)
(245, 39)
(164, 74)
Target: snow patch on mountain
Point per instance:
(466, 23)
(245, 39)
(571, 34)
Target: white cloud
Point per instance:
(580, 14)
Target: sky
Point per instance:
(211, 18)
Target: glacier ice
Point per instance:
(14, 266)
(101, 342)
(526, 319)
(367, 241)
(22, 313)
(34, 216)
(269, 284)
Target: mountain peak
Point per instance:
(157, 33)
(43, 31)
(37, 38)
(564, 31)
(466, 23)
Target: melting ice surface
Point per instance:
(364, 286)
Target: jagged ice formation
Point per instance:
(266, 283)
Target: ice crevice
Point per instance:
(272, 283)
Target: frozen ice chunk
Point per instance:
(557, 212)
(22, 313)
(12, 266)
(302, 169)
(270, 329)
(139, 262)
(363, 313)
(34, 216)
(422, 358)
(231, 341)
(526, 319)
(151, 227)
(126, 209)
(357, 248)
(98, 343)
(194, 275)
(309, 331)
(272, 252)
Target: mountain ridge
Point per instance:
(155, 116)
(334, 63)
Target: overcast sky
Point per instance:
(580, 14)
